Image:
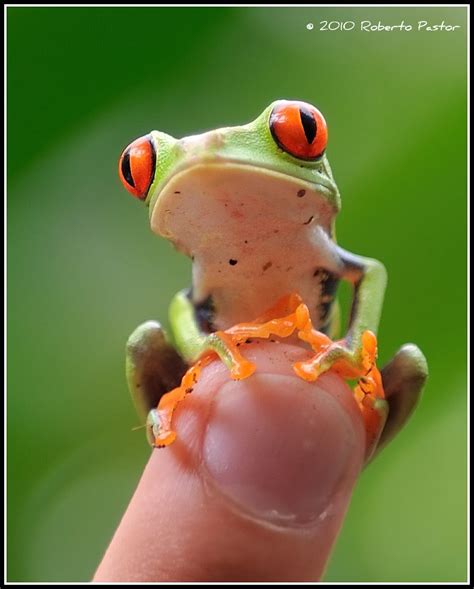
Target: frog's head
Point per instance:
(272, 168)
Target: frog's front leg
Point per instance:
(192, 341)
(153, 366)
(354, 356)
(199, 347)
(369, 279)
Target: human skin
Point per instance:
(256, 486)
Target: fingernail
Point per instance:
(283, 449)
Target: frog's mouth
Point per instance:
(207, 205)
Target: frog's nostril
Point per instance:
(137, 166)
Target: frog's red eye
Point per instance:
(137, 166)
(299, 129)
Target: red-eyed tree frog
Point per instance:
(254, 206)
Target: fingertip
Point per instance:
(279, 448)
(254, 488)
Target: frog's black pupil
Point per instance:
(126, 171)
(153, 160)
(309, 124)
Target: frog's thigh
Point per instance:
(153, 366)
(403, 380)
(189, 338)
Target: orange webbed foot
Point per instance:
(337, 358)
(160, 432)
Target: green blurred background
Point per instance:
(84, 268)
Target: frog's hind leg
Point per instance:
(153, 366)
(403, 380)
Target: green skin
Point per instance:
(199, 184)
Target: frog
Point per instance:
(254, 206)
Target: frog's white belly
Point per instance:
(244, 281)
(254, 235)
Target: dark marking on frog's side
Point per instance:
(232, 262)
(204, 313)
(320, 273)
(325, 328)
(266, 266)
(309, 220)
(328, 282)
(177, 191)
(301, 193)
(352, 263)
(323, 310)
